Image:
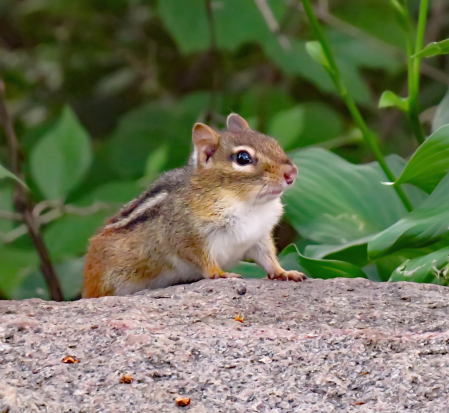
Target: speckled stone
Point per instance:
(343, 345)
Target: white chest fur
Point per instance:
(246, 224)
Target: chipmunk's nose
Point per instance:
(290, 172)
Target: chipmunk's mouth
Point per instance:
(270, 193)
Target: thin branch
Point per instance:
(23, 203)
(16, 233)
(72, 210)
(57, 212)
(272, 23)
(11, 216)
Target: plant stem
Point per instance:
(414, 71)
(368, 135)
(24, 206)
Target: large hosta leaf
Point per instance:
(431, 268)
(425, 225)
(442, 114)
(429, 163)
(355, 252)
(335, 202)
(326, 269)
(291, 259)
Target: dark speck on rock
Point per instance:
(241, 290)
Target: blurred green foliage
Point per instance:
(104, 95)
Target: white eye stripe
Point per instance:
(245, 168)
(238, 149)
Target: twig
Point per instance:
(57, 212)
(23, 203)
(60, 211)
(272, 23)
(11, 216)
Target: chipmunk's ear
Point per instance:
(235, 123)
(206, 141)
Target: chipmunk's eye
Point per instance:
(243, 158)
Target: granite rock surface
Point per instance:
(343, 345)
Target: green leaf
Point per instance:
(263, 101)
(390, 99)
(296, 61)
(424, 226)
(366, 15)
(442, 114)
(325, 269)
(70, 274)
(115, 193)
(15, 266)
(303, 125)
(6, 204)
(361, 53)
(355, 252)
(236, 22)
(400, 7)
(151, 125)
(4, 173)
(430, 163)
(155, 164)
(336, 202)
(69, 236)
(287, 125)
(61, 159)
(249, 270)
(431, 268)
(434, 49)
(188, 25)
(288, 259)
(316, 52)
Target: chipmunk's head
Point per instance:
(251, 165)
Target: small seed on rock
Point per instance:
(182, 401)
(70, 360)
(126, 378)
(239, 317)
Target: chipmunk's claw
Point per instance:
(288, 276)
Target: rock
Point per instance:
(319, 346)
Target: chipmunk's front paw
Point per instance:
(288, 276)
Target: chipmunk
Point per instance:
(197, 221)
